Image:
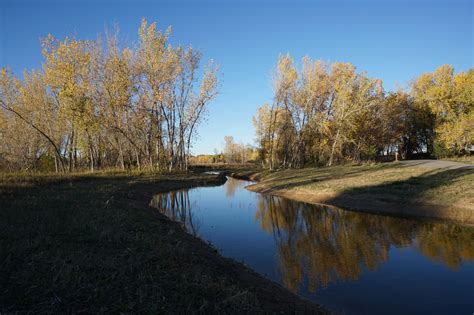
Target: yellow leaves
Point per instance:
(155, 54)
(9, 86)
(443, 75)
(208, 88)
(457, 133)
(450, 98)
(285, 77)
(262, 120)
(134, 94)
(287, 68)
(326, 127)
(117, 76)
(435, 90)
(379, 87)
(464, 90)
(343, 73)
(67, 64)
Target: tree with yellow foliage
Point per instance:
(326, 113)
(450, 98)
(96, 105)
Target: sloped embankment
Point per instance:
(394, 189)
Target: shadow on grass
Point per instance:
(411, 189)
(413, 196)
(435, 193)
(92, 244)
(300, 178)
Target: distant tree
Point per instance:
(238, 152)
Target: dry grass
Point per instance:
(91, 243)
(375, 185)
(462, 159)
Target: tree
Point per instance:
(99, 105)
(26, 104)
(238, 152)
(450, 100)
(322, 114)
(168, 77)
(67, 72)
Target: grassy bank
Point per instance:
(91, 243)
(463, 159)
(380, 188)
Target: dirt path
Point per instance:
(435, 164)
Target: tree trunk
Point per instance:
(271, 136)
(333, 148)
(92, 159)
(55, 163)
(138, 158)
(122, 162)
(71, 148)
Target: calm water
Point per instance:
(349, 262)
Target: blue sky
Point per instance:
(391, 40)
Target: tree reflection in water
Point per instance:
(318, 245)
(231, 186)
(325, 244)
(176, 205)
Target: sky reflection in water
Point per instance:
(351, 262)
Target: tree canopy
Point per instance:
(324, 113)
(95, 104)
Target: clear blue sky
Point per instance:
(392, 40)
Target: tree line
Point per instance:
(96, 104)
(232, 153)
(323, 113)
(235, 152)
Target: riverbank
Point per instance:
(409, 190)
(91, 243)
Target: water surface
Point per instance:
(350, 262)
